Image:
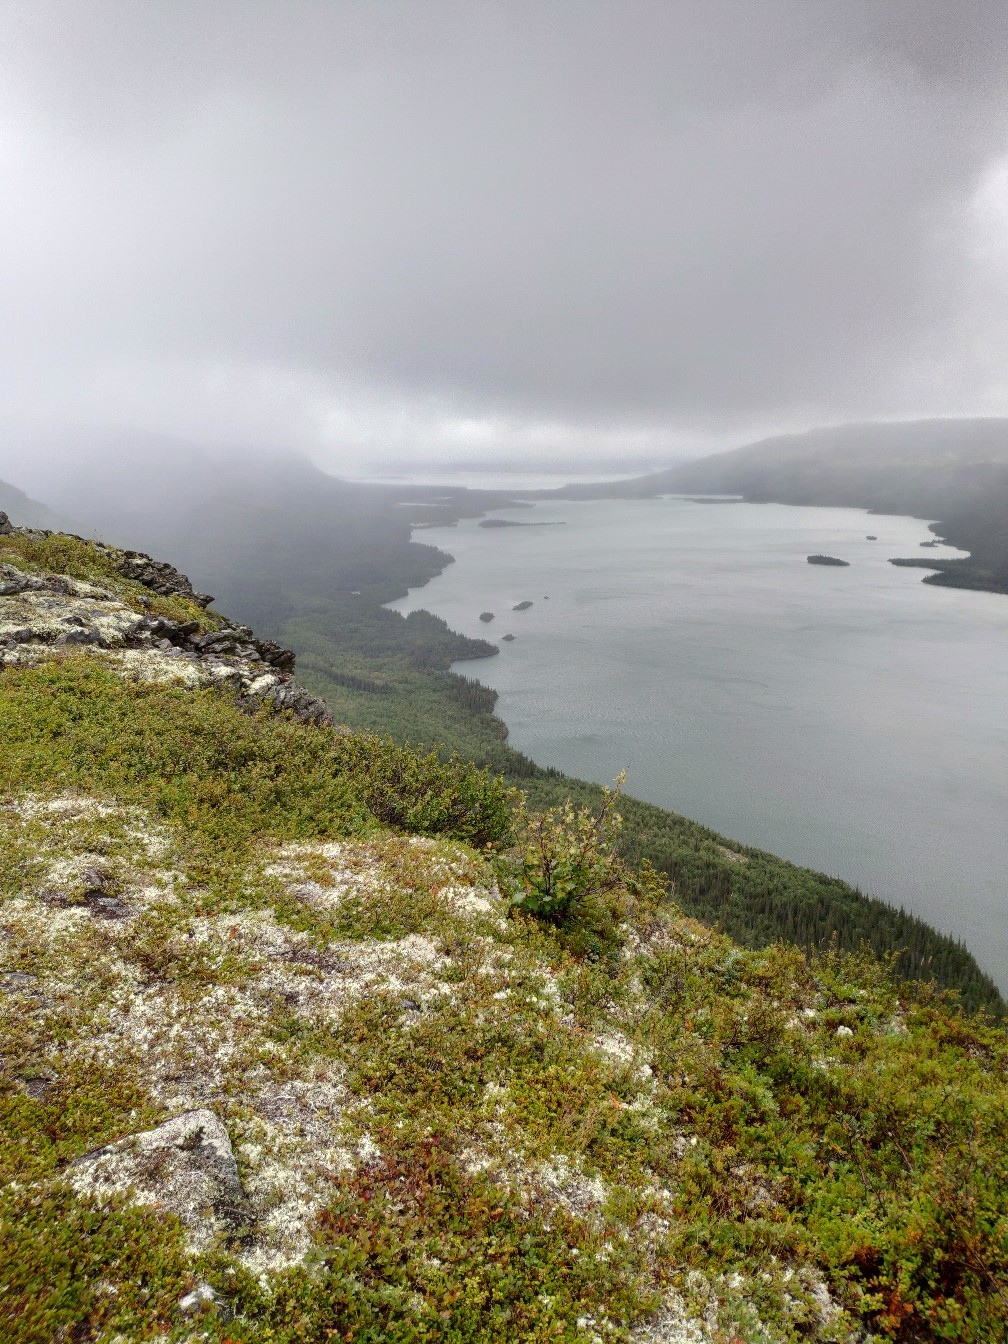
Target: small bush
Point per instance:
(424, 794)
(562, 856)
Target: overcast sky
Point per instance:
(383, 231)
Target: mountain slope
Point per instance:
(28, 512)
(283, 1060)
(955, 471)
(310, 560)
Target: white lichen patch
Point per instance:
(378, 881)
(293, 1148)
(46, 618)
(616, 1046)
(546, 1184)
(158, 666)
(475, 901)
(672, 1324)
(62, 826)
(32, 805)
(80, 873)
(70, 875)
(266, 681)
(322, 874)
(292, 860)
(560, 1183)
(238, 1045)
(230, 1013)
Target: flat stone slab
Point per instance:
(185, 1166)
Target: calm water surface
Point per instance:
(853, 720)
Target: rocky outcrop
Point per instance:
(41, 613)
(232, 641)
(185, 1166)
(158, 576)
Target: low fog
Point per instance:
(445, 232)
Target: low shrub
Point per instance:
(562, 856)
(230, 778)
(426, 794)
(414, 1249)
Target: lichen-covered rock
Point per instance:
(185, 1166)
(40, 613)
(56, 610)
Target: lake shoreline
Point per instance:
(773, 840)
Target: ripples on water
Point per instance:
(854, 720)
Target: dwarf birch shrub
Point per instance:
(562, 856)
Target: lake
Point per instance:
(854, 720)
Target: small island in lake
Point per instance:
(510, 522)
(827, 560)
(871, 537)
(507, 638)
(522, 606)
(486, 616)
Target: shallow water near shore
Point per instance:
(854, 720)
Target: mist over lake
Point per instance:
(854, 720)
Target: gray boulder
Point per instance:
(185, 1166)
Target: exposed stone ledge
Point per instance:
(41, 613)
(157, 575)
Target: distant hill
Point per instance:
(28, 512)
(953, 471)
(259, 531)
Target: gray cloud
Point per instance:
(445, 228)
